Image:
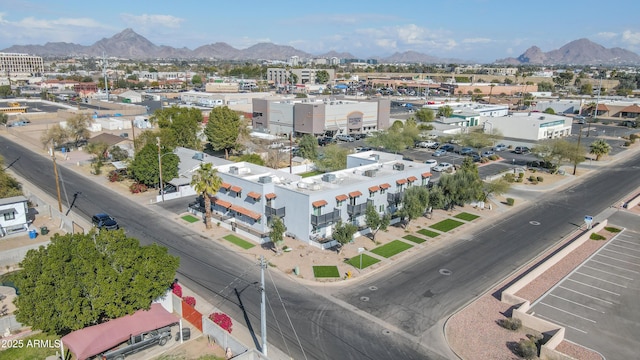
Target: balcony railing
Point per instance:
(271, 211)
(357, 210)
(325, 219)
(394, 198)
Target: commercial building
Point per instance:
(302, 76)
(320, 116)
(531, 126)
(18, 67)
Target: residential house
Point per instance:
(13, 215)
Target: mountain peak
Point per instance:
(577, 52)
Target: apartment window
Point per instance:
(10, 215)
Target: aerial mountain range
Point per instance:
(130, 45)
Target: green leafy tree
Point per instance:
(5, 91)
(277, 231)
(374, 221)
(196, 80)
(425, 115)
(250, 158)
(223, 129)
(478, 139)
(445, 111)
(80, 280)
(343, 233)
(586, 89)
(397, 138)
(144, 167)
(9, 186)
(335, 158)
(437, 200)
(495, 187)
(599, 148)
(415, 201)
(322, 77)
(556, 151)
(206, 182)
(119, 154)
(563, 79)
(549, 111)
(545, 86)
(4, 118)
(55, 135)
(179, 126)
(463, 186)
(308, 147)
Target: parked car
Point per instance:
(439, 152)
(488, 153)
(431, 162)
(500, 147)
(363, 148)
(323, 141)
(104, 221)
(580, 119)
(426, 144)
(435, 145)
(139, 342)
(447, 147)
(522, 150)
(347, 138)
(359, 136)
(465, 151)
(442, 167)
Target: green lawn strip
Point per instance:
(326, 271)
(392, 248)
(34, 347)
(190, 218)
(446, 225)
(428, 233)
(366, 261)
(466, 216)
(311, 173)
(414, 239)
(240, 242)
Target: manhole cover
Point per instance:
(386, 332)
(373, 288)
(534, 223)
(446, 272)
(364, 298)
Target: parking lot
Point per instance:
(598, 302)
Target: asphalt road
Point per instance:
(403, 304)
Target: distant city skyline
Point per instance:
(477, 30)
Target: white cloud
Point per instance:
(406, 37)
(630, 37)
(149, 20)
(476, 41)
(32, 30)
(606, 35)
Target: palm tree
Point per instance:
(206, 181)
(599, 148)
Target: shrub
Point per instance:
(540, 179)
(533, 181)
(527, 348)
(510, 201)
(494, 157)
(115, 176)
(627, 143)
(222, 320)
(509, 177)
(190, 300)
(595, 236)
(137, 188)
(520, 175)
(533, 171)
(532, 178)
(519, 179)
(177, 289)
(511, 323)
(612, 229)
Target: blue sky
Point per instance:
(480, 30)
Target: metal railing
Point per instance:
(325, 219)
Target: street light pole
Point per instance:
(575, 161)
(160, 169)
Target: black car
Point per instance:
(447, 147)
(104, 221)
(325, 141)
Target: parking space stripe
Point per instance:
(628, 242)
(577, 303)
(595, 287)
(597, 278)
(614, 266)
(570, 313)
(583, 294)
(624, 247)
(559, 323)
(607, 272)
(621, 253)
(626, 262)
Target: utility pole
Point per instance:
(263, 307)
(575, 161)
(133, 135)
(595, 112)
(160, 169)
(55, 173)
(290, 153)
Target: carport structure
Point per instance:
(597, 303)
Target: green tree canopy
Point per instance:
(495, 187)
(343, 233)
(250, 158)
(196, 80)
(55, 135)
(334, 158)
(223, 129)
(556, 151)
(80, 280)
(144, 167)
(415, 201)
(308, 147)
(322, 77)
(9, 186)
(206, 182)
(376, 222)
(277, 231)
(599, 148)
(425, 115)
(445, 111)
(179, 126)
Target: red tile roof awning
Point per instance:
(224, 204)
(254, 195)
(631, 109)
(412, 178)
(246, 212)
(342, 197)
(225, 185)
(385, 186)
(319, 203)
(355, 194)
(374, 188)
(426, 175)
(270, 196)
(401, 181)
(236, 189)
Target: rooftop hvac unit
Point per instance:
(370, 173)
(375, 157)
(541, 117)
(264, 179)
(398, 166)
(198, 156)
(234, 170)
(330, 178)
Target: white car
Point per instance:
(442, 167)
(431, 162)
(500, 147)
(426, 144)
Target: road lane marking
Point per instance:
(559, 323)
(624, 247)
(583, 294)
(614, 266)
(597, 278)
(595, 287)
(607, 272)
(612, 258)
(577, 303)
(629, 242)
(621, 253)
(570, 313)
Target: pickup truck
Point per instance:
(138, 343)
